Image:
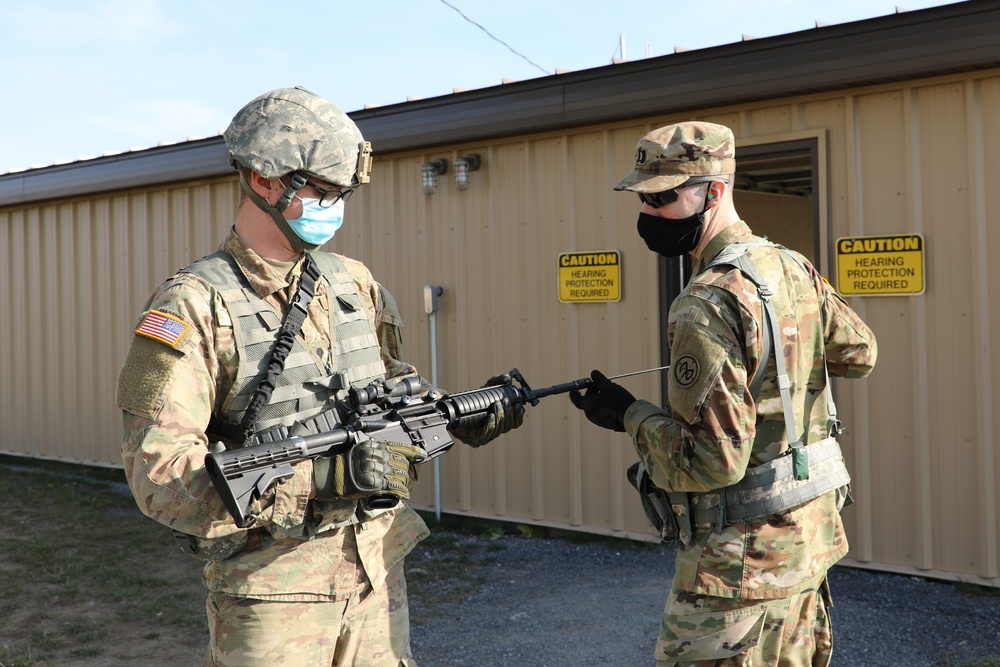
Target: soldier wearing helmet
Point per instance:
(318, 579)
(741, 469)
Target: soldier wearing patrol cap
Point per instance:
(741, 469)
(318, 579)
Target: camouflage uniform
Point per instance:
(168, 392)
(318, 579)
(753, 591)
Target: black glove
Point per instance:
(502, 417)
(604, 403)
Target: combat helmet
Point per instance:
(293, 131)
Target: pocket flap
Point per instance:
(710, 635)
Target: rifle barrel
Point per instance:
(584, 383)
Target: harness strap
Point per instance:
(297, 312)
(736, 255)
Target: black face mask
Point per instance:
(669, 237)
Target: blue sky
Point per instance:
(83, 79)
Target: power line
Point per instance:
(493, 37)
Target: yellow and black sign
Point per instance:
(880, 265)
(590, 276)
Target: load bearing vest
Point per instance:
(305, 391)
(805, 472)
(308, 383)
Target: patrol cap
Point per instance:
(668, 156)
(294, 129)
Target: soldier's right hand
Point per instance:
(604, 403)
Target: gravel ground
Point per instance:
(544, 602)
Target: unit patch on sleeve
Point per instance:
(686, 370)
(163, 327)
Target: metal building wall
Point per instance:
(899, 158)
(76, 274)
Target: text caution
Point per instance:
(590, 276)
(880, 265)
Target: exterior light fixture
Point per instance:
(429, 172)
(464, 165)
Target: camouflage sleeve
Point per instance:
(851, 349)
(388, 327)
(166, 390)
(704, 440)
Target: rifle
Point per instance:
(386, 410)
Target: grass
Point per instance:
(87, 578)
(78, 558)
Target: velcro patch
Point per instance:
(142, 383)
(698, 355)
(163, 327)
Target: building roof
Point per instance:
(941, 40)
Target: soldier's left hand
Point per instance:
(501, 418)
(604, 403)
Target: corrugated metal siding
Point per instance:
(77, 274)
(898, 158)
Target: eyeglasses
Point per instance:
(658, 199)
(329, 196)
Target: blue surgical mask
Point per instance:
(317, 225)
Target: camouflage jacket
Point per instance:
(713, 430)
(167, 390)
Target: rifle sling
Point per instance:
(290, 327)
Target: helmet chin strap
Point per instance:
(275, 210)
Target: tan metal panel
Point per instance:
(880, 189)
(942, 171)
(79, 272)
(983, 106)
(777, 119)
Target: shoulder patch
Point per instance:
(163, 327)
(698, 355)
(687, 369)
(143, 379)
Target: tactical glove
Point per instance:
(501, 417)
(604, 403)
(367, 469)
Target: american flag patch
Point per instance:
(162, 327)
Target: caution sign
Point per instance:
(880, 265)
(590, 276)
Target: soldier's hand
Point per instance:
(501, 417)
(604, 402)
(369, 468)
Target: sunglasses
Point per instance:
(658, 199)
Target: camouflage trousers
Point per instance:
(706, 631)
(371, 629)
